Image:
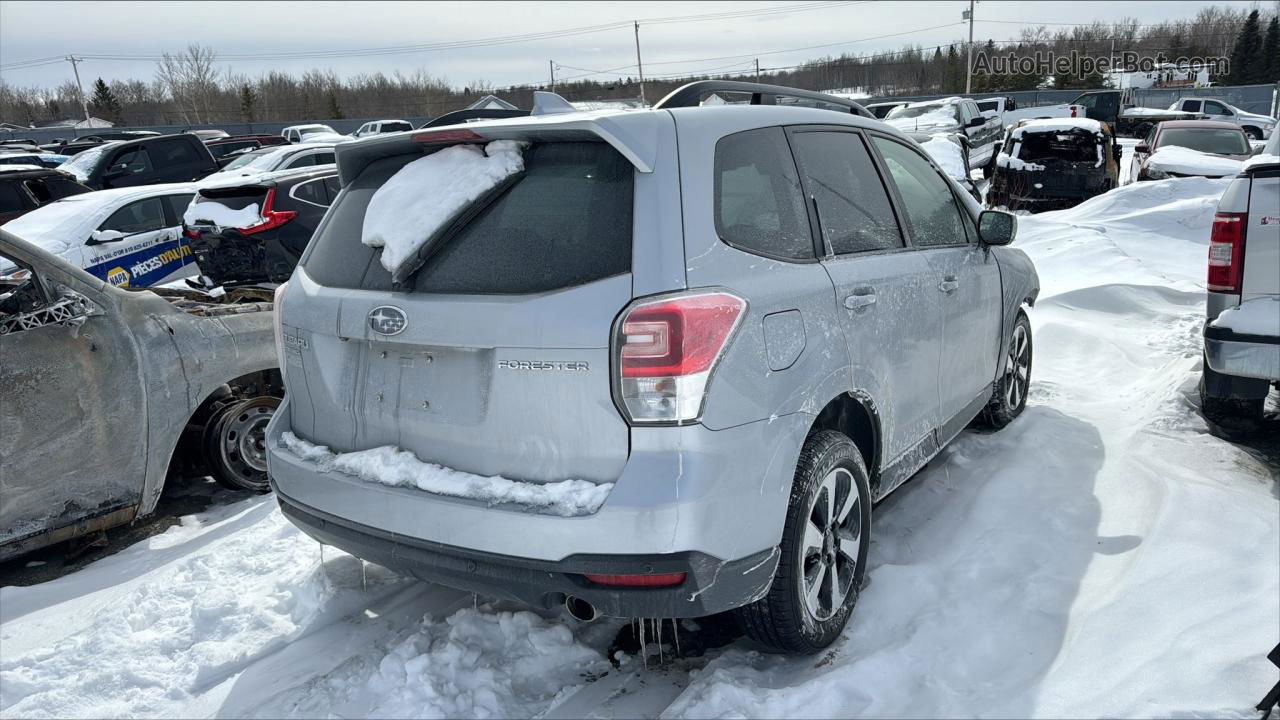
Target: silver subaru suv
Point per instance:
(664, 370)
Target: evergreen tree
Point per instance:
(955, 70)
(105, 104)
(1271, 51)
(1247, 63)
(248, 103)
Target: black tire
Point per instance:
(989, 170)
(237, 447)
(1234, 416)
(1009, 396)
(830, 465)
(1253, 133)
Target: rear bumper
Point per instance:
(1249, 356)
(710, 586)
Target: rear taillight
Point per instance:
(665, 351)
(440, 137)
(1226, 252)
(190, 233)
(271, 218)
(278, 311)
(658, 580)
(1073, 111)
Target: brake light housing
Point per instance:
(444, 137)
(638, 581)
(271, 218)
(1226, 252)
(665, 351)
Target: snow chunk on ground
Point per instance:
(479, 664)
(1260, 316)
(428, 193)
(1174, 158)
(221, 215)
(400, 468)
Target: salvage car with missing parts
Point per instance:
(780, 318)
(107, 392)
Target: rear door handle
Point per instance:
(860, 299)
(949, 284)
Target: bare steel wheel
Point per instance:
(832, 543)
(240, 438)
(1011, 388)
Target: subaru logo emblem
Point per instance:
(387, 320)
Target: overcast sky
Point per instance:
(36, 30)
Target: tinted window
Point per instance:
(136, 217)
(11, 198)
(39, 191)
(566, 222)
(931, 209)
(61, 187)
(759, 204)
(1219, 141)
(853, 208)
(989, 105)
(223, 149)
(175, 152)
(177, 206)
(132, 162)
(1212, 107)
(312, 191)
(332, 185)
(1191, 105)
(395, 127)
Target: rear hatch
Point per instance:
(493, 357)
(215, 224)
(1068, 163)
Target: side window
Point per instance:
(132, 162)
(759, 206)
(325, 158)
(301, 160)
(931, 208)
(853, 207)
(1087, 101)
(1212, 107)
(39, 191)
(312, 191)
(177, 207)
(332, 185)
(174, 152)
(136, 217)
(11, 199)
(1191, 105)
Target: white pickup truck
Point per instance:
(1257, 127)
(1008, 112)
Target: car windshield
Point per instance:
(924, 114)
(1217, 141)
(82, 165)
(316, 130)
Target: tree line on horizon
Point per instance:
(187, 88)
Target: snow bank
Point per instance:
(948, 155)
(428, 193)
(1185, 161)
(1260, 316)
(400, 468)
(221, 215)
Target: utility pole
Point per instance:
(84, 106)
(968, 71)
(757, 69)
(639, 66)
(552, 64)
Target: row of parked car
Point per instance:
(668, 358)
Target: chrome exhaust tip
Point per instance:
(580, 609)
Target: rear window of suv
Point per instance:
(565, 222)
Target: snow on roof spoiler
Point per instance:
(631, 134)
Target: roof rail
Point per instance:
(761, 94)
(461, 116)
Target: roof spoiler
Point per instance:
(761, 94)
(461, 116)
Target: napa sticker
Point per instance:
(118, 277)
(1271, 219)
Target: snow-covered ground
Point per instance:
(1104, 555)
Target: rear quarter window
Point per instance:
(565, 222)
(759, 205)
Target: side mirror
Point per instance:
(1142, 149)
(977, 121)
(99, 237)
(996, 227)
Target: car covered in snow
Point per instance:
(253, 230)
(1242, 332)
(100, 386)
(276, 157)
(145, 161)
(882, 109)
(1189, 148)
(645, 363)
(958, 116)
(24, 188)
(1054, 163)
(41, 158)
(128, 237)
